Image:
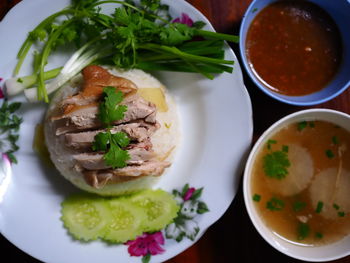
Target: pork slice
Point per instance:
(153, 167)
(85, 117)
(95, 161)
(136, 131)
(95, 79)
(99, 178)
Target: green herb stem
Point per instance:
(42, 94)
(215, 35)
(117, 2)
(179, 53)
(22, 53)
(30, 80)
(179, 66)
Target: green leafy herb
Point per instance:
(269, 143)
(299, 206)
(318, 235)
(319, 207)
(335, 140)
(109, 109)
(256, 198)
(275, 164)
(303, 231)
(112, 144)
(136, 35)
(302, 125)
(9, 127)
(329, 154)
(275, 204)
(341, 214)
(335, 206)
(285, 148)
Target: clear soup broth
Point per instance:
(301, 183)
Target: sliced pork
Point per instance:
(98, 179)
(136, 131)
(95, 79)
(85, 117)
(76, 123)
(95, 161)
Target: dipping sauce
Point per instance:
(294, 47)
(301, 182)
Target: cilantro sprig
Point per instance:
(276, 163)
(110, 110)
(112, 144)
(134, 36)
(9, 127)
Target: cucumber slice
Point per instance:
(159, 206)
(85, 216)
(126, 221)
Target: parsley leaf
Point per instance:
(298, 206)
(275, 164)
(256, 197)
(302, 125)
(269, 143)
(329, 154)
(121, 138)
(335, 140)
(9, 127)
(138, 34)
(341, 214)
(112, 144)
(101, 141)
(275, 204)
(176, 34)
(115, 156)
(109, 110)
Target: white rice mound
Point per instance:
(165, 140)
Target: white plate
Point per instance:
(216, 120)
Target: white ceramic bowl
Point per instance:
(308, 253)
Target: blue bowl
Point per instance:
(339, 10)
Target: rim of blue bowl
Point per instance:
(262, 87)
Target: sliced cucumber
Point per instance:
(126, 221)
(159, 206)
(85, 216)
(88, 217)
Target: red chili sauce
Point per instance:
(294, 47)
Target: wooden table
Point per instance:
(233, 238)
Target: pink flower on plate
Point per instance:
(146, 245)
(185, 19)
(189, 193)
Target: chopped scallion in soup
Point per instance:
(301, 182)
